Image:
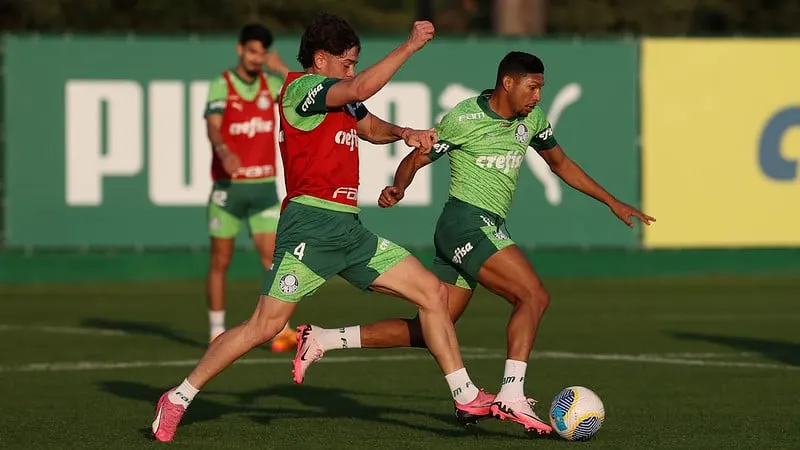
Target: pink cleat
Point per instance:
(476, 410)
(168, 416)
(521, 411)
(308, 352)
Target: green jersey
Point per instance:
(486, 151)
(218, 90)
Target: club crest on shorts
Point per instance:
(289, 283)
(522, 134)
(263, 101)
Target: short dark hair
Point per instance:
(255, 32)
(329, 33)
(518, 63)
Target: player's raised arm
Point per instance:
(370, 81)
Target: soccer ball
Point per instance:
(577, 413)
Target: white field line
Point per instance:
(421, 356)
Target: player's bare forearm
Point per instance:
(370, 81)
(377, 131)
(214, 132)
(408, 167)
(574, 176)
(569, 171)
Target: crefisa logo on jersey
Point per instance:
(250, 128)
(522, 134)
(348, 138)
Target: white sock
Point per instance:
(338, 338)
(183, 395)
(217, 321)
(461, 386)
(513, 386)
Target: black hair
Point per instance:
(255, 32)
(329, 33)
(518, 63)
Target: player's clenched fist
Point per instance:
(390, 196)
(421, 33)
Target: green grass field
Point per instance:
(679, 363)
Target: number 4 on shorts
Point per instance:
(299, 251)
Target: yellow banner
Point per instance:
(721, 142)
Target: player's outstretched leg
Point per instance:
(267, 320)
(410, 280)
(286, 339)
(508, 273)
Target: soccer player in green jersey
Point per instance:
(241, 123)
(485, 138)
(320, 234)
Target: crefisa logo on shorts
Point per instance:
(289, 283)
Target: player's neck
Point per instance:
(243, 75)
(499, 104)
(314, 71)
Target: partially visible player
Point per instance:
(320, 234)
(486, 138)
(241, 124)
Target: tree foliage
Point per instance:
(592, 17)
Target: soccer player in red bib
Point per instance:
(241, 121)
(319, 234)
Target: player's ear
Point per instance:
(240, 49)
(319, 60)
(508, 83)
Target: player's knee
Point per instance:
(220, 261)
(531, 296)
(434, 297)
(441, 297)
(262, 330)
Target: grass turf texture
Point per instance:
(679, 363)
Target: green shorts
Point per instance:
(232, 202)
(466, 236)
(314, 244)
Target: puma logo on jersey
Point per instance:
(251, 127)
(348, 138)
(508, 162)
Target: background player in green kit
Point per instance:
(486, 138)
(241, 124)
